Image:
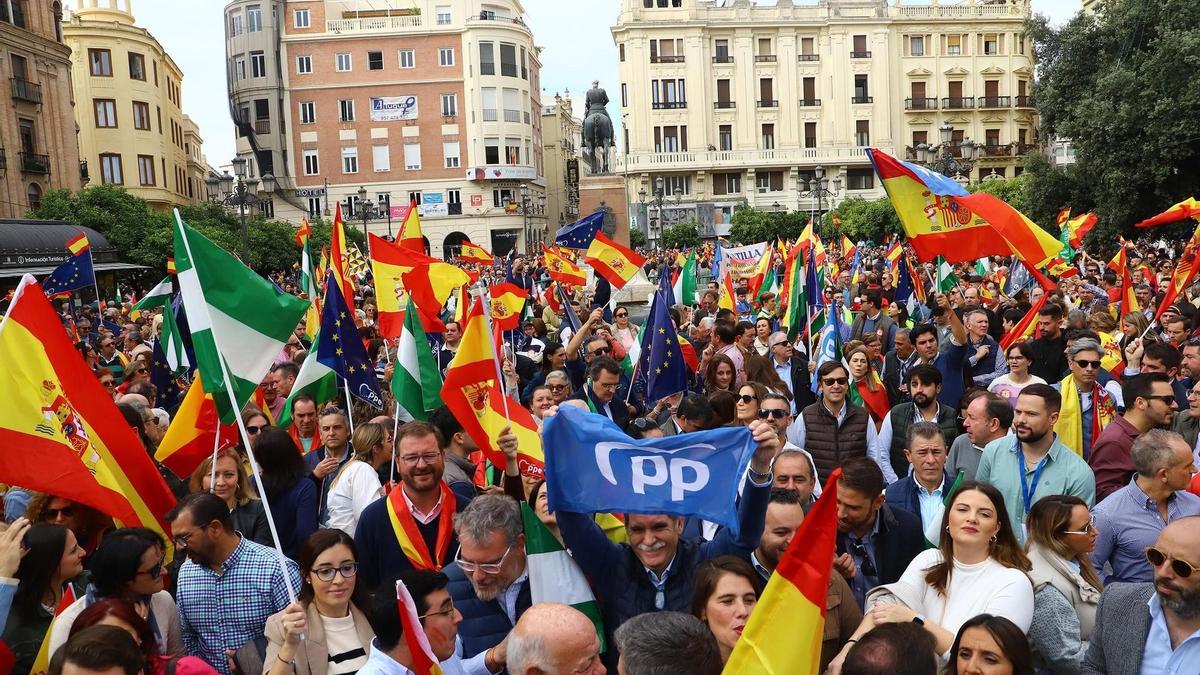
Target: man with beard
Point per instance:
(1035, 463)
(489, 581)
(228, 586)
(304, 422)
(950, 359)
(924, 386)
(1150, 404)
(1153, 628)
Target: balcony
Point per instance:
(768, 103)
(512, 115)
(997, 150)
(35, 163)
(959, 103)
(734, 159)
(1024, 102)
(380, 24)
(24, 90)
(920, 104)
(995, 102)
(262, 127)
(668, 105)
(860, 55)
(722, 59)
(489, 115)
(1022, 149)
(862, 99)
(810, 103)
(666, 59)
(764, 58)
(808, 57)
(722, 105)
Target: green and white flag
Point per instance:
(769, 285)
(553, 574)
(684, 288)
(159, 296)
(172, 343)
(933, 533)
(315, 379)
(946, 281)
(239, 320)
(416, 382)
(634, 354)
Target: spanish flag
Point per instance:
(430, 287)
(60, 429)
(1184, 274)
(1079, 226)
(613, 261)
(339, 259)
(848, 248)
(411, 238)
(941, 218)
(785, 630)
(1120, 265)
(389, 262)
(78, 244)
(562, 270)
(1188, 208)
(477, 254)
(507, 302)
(193, 432)
(471, 391)
(727, 300)
(1024, 329)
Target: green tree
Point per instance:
(862, 220)
(1117, 82)
(683, 235)
(750, 225)
(637, 238)
(1014, 191)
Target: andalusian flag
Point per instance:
(239, 320)
(684, 286)
(613, 261)
(159, 296)
(554, 576)
(315, 379)
(411, 238)
(946, 281)
(416, 382)
(785, 631)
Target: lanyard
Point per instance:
(1028, 489)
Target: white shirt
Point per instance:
(797, 434)
(881, 449)
(356, 487)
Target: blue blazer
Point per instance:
(903, 493)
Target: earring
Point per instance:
(994, 538)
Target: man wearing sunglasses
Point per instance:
(1153, 627)
(1150, 404)
(1132, 518)
(1087, 405)
(833, 429)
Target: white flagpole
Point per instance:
(487, 304)
(349, 406)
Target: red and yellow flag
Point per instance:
(193, 432)
(613, 261)
(785, 630)
(303, 232)
(562, 270)
(1079, 226)
(430, 287)
(1120, 264)
(507, 302)
(471, 391)
(473, 253)
(339, 259)
(78, 244)
(1188, 208)
(61, 431)
(411, 238)
(41, 663)
(1181, 278)
(1025, 327)
(848, 248)
(424, 660)
(727, 299)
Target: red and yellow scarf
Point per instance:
(1070, 418)
(409, 535)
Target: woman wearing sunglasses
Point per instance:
(749, 397)
(624, 330)
(1062, 536)
(326, 613)
(129, 567)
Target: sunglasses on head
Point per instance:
(1182, 568)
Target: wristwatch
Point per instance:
(757, 477)
(919, 619)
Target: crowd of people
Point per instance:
(1026, 509)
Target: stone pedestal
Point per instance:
(607, 190)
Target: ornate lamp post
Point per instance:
(941, 157)
(659, 200)
(241, 191)
(819, 188)
(365, 208)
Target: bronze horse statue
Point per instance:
(597, 129)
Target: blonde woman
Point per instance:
(232, 484)
(357, 484)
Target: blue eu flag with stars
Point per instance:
(662, 355)
(340, 348)
(580, 233)
(73, 274)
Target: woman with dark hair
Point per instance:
(293, 498)
(128, 566)
(129, 618)
(719, 374)
(978, 568)
(724, 405)
(327, 613)
(989, 645)
(724, 592)
(760, 369)
(233, 486)
(749, 396)
(90, 356)
(1019, 357)
(53, 559)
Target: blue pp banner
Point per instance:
(593, 467)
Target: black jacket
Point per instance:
(620, 413)
(900, 539)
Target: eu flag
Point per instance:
(665, 287)
(812, 289)
(163, 377)
(340, 348)
(580, 233)
(662, 355)
(73, 274)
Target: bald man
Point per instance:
(1153, 627)
(554, 639)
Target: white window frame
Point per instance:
(308, 112)
(350, 160)
(239, 69)
(312, 162)
(449, 105)
(446, 57)
(381, 158)
(443, 18)
(301, 18)
(252, 12)
(343, 62)
(345, 110)
(451, 161)
(406, 58)
(236, 25)
(304, 64)
(912, 43)
(408, 166)
(454, 196)
(258, 64)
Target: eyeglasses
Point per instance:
(181, 540)
(1182, 568)
(65, 512)
(621, 315)
(866, 565)
(486, 568)
(831, 381)
(255, 429)
(782, 344)
(1085, 363)
(156, 571)
(556, 387)
(746, 398)
(772, 412)
(448, 611)
(347, 570)
(1089, 528)
(428, 458)
(109, 384)
(643, 424)
(601, 351)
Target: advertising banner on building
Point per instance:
(393, 108)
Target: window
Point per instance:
(443, 14)
(145, 169)
(101, 62)
(141, 115)
(810, 134)
(303, 64)
(725, 136)
(768, 137)
(859, 51)
(862, 92)
(300, 18)
(489, 103)
(508, 60)
(766, 93)
(381, 158)
(110, 169)
(137, 67)
(524, 65)
(491, 151)
(621, 52)
(34, 192)
(158, 114)
(254, 19)
(727, 183)
(764, 47)
(312, 165)
(344, 62)
(415, 197)
(808, 46)
(235, 23)
(991, 44)
(407, 58)
(512, 151)
(314, 207)
(954, 45)
(446, 56)
(920, 137)
(916, 45)
(809, 87)
(258, 64)
(412, 156)
(106, 113)
(349, 160)
(676, 185)
(991, 137)
(503, 197)
(308, 112)
(450, 152)
(449, 105)
(512, 105)
(862, 133)
(860, 179)
(624, 95)
(487, 59)
(768, 181)
(346, 110)
(239, 69)
(721, 50)
(670, 139)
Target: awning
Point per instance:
(42, 271)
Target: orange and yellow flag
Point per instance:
(613, 261)
(411, 238)
(1188, 208)
(507, 302)
(193, 432)
(785, 631)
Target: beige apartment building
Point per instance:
(561, 139)
(728, 102)
(129, 105)
(433, 101)
(38, 148)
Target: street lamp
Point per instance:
(528, 208)
(241, 191)
(819, 188)
(659, 201)
(941, 157)
(365, 206)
